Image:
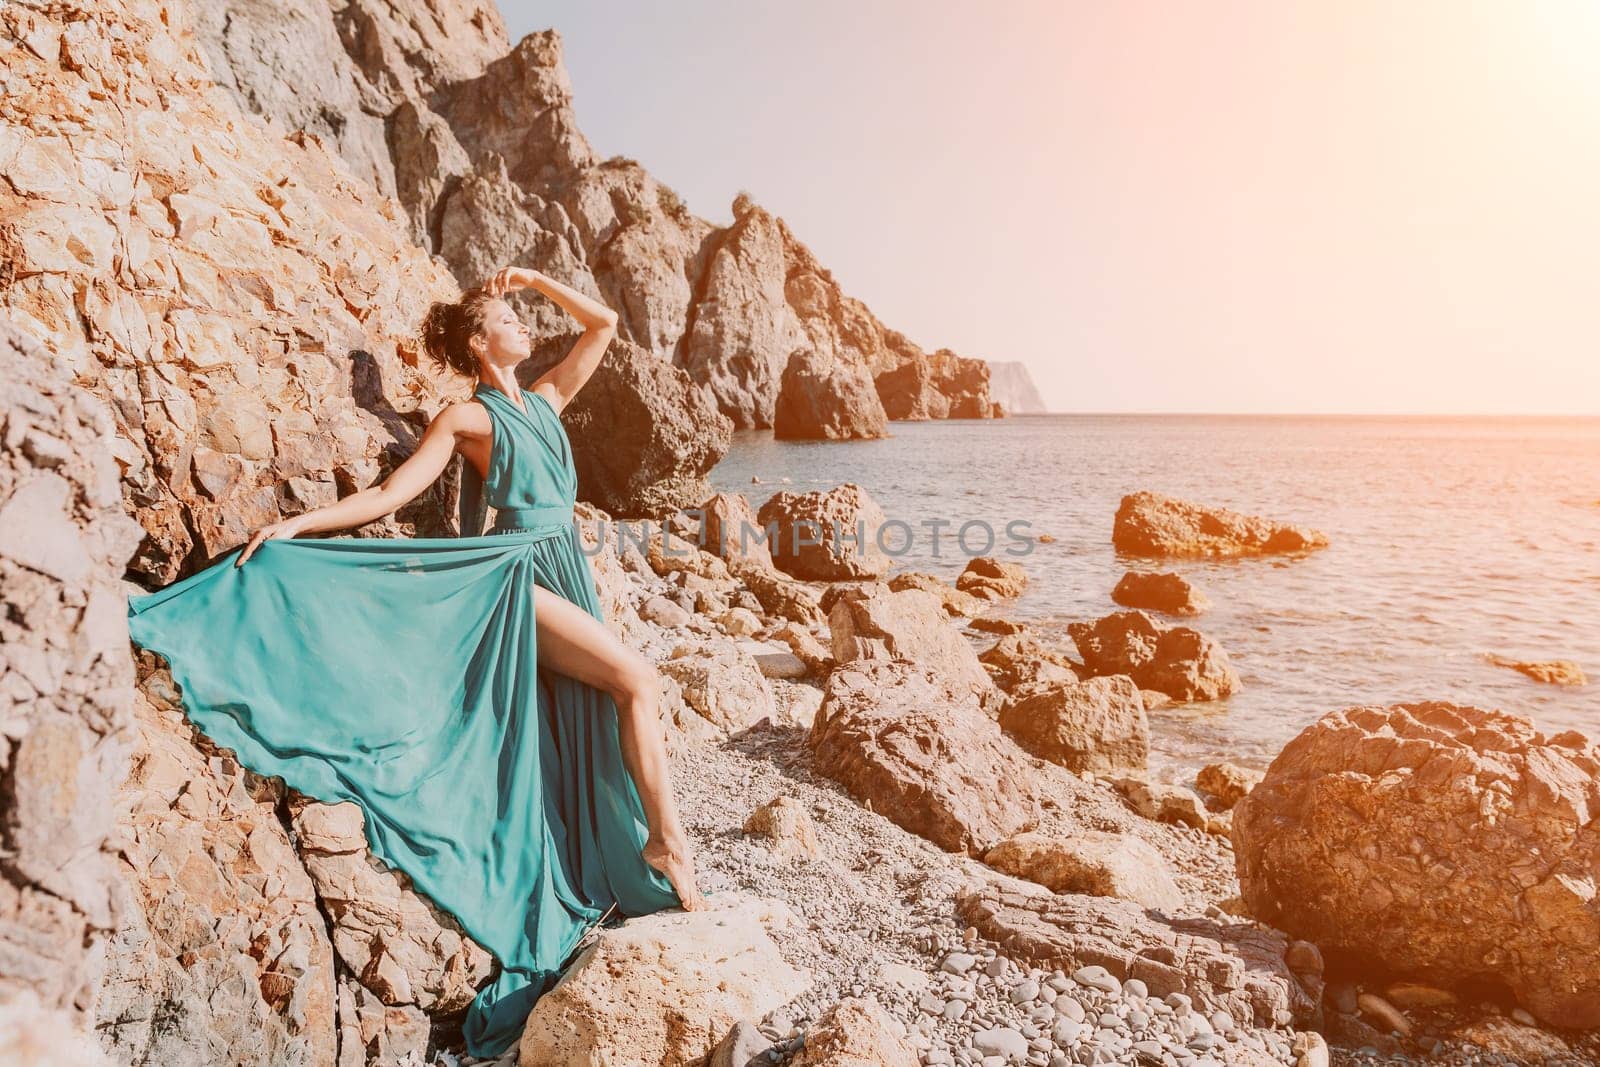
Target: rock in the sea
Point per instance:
(1446, 843)
(824, 397)
(1019, 659)
(1181, 662)
(992, 578)
(1237, 967)
(826, 535)
(1096, 862)
(1155, 525)
(1098, 725)
(1225, 783)
(920, 751)
(1168, 593)
(665, 988)
(1549, 671)
(938, 385)
(856, 1032)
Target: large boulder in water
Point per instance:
(1446, 843)
(1181, 662)
(826, 397)
(1152, 524)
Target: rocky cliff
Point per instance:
(480, 143)
(1013, 389)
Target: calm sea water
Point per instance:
(1451, 537)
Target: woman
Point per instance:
(505, 748)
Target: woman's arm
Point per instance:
(404, 484)
(560, 383)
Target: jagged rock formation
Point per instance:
(1446, 843)
(481, 145)
(65, 688)
(1012, 387)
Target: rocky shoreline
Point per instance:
(927, 830)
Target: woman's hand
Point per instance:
(508, 278)
(290, 527)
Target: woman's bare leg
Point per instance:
(575, 643)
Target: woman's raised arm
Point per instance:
(561, 382)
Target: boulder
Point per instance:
(957, 603)
(1183, 663)
(919, 750)
(991, 578)
(1098, 725)
(826, 535)
(938, 385)
(1158, 526)
(1020, 659)
(910, 626)
(1164, 802)
(856, 1032)
(664, 988)
(731, 533)
(787, 824)
(1445, 843)
(1239, 967)
(784, 597)
(721, 682)
(1095, 862)
(643, 437)
(824, 397)
(1225, 783)
(1168, 593)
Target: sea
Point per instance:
(1451, 538)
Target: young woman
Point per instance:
(505, 748)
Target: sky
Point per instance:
(1295, 206)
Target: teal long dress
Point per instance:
(402, 674)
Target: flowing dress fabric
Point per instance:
(402, 674)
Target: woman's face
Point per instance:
(505, 339)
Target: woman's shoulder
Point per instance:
(470, 416)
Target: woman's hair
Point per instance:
(447, 326)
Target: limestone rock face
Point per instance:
(405, 951)
(1447, 843)
(1151, 524)
(247, 309)
(643, 438)
(664, 988)
(908, 625)
(65, 686)
(941, 385)
(222, 943)
(742, 330)
(1183, 663)
(1239, 967)
(1098, 725)
(923, 753)
(826, 535)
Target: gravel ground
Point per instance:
(879, 920)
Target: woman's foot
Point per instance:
(673, 858)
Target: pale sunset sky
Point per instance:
(1364, 206)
